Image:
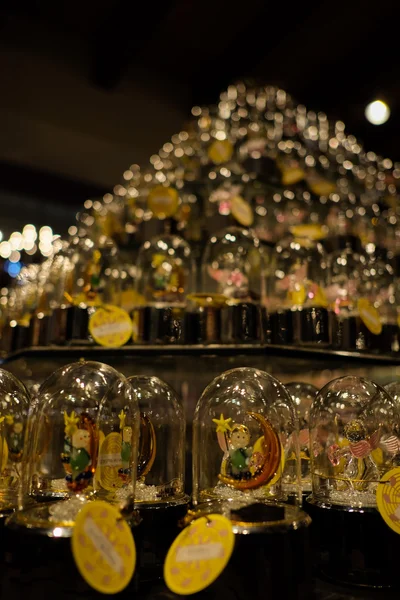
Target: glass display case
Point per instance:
(353, 437)
(14, 406)
(297, 304)
(233, 276)
(303, 395)
(160, 496)
(245, 440)
(77, 417)
(166, 274)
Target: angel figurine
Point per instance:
(245, 466)
(358, 460)
(79, 450)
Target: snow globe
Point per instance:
(233, 267)
(297, 303)
(70, 422)
(303, 395)
(95, 282)
(166, 274)
(246, 467)
(350, 325)
(82, 424)
(14, 405)
(160, 489)
(354, 444)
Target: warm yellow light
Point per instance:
(377, 112)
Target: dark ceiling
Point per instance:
(90, 87)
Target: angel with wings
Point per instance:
(358, 460)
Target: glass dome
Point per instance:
(297, 301)
(245, 425)
(303, 395)
(232, 266)
(81, 423)
(166, 274)
(353, 435)
(165, 270)
(393, 389)
(380, 291)
(14, 405)
(95, 268)
(345, 289)
(161, 466)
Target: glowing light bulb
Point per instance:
(377, 112)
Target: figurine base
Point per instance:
(58, 326)
(271, 554)
(306, 326)
(37, 565)
(159, 324)
(350, 333)
(242, 323)
(77, 325)
(353, 547)
(39, 330)
(203, 326)
(159, 526)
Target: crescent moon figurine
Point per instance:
(147, 448)
(271, 459)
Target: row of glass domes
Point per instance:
(90, 433)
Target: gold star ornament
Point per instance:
(71, 423)
(223, 425)
(122, 419)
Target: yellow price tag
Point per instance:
(388, 498)
(103, 548)
(199, 554)
(110, 326)
(297, 297)
(163, 201)
(292, 175)
(320, 186)
(312, 231)
(242, 211)
(320, 298)
(369, 316)
(220, 151)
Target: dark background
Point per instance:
(89, 87)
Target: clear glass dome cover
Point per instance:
(300, 274)
(345, 281)
(59, 282)
(78, 423)
(303, 395)
(161, 467)
(245, 442)
(95, 271)
(14, 405)
(166, 271)
(233, 266)
(353, 434)
(393, 389)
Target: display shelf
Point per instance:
(292, 352)
(324, 590)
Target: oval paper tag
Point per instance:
(312, 231)
(103, 548)
(199, 554)
(242, 211)
(292, 175)
(388, 498)
(163, 201)
(369, 316)
(220, 151)
(110, 326)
